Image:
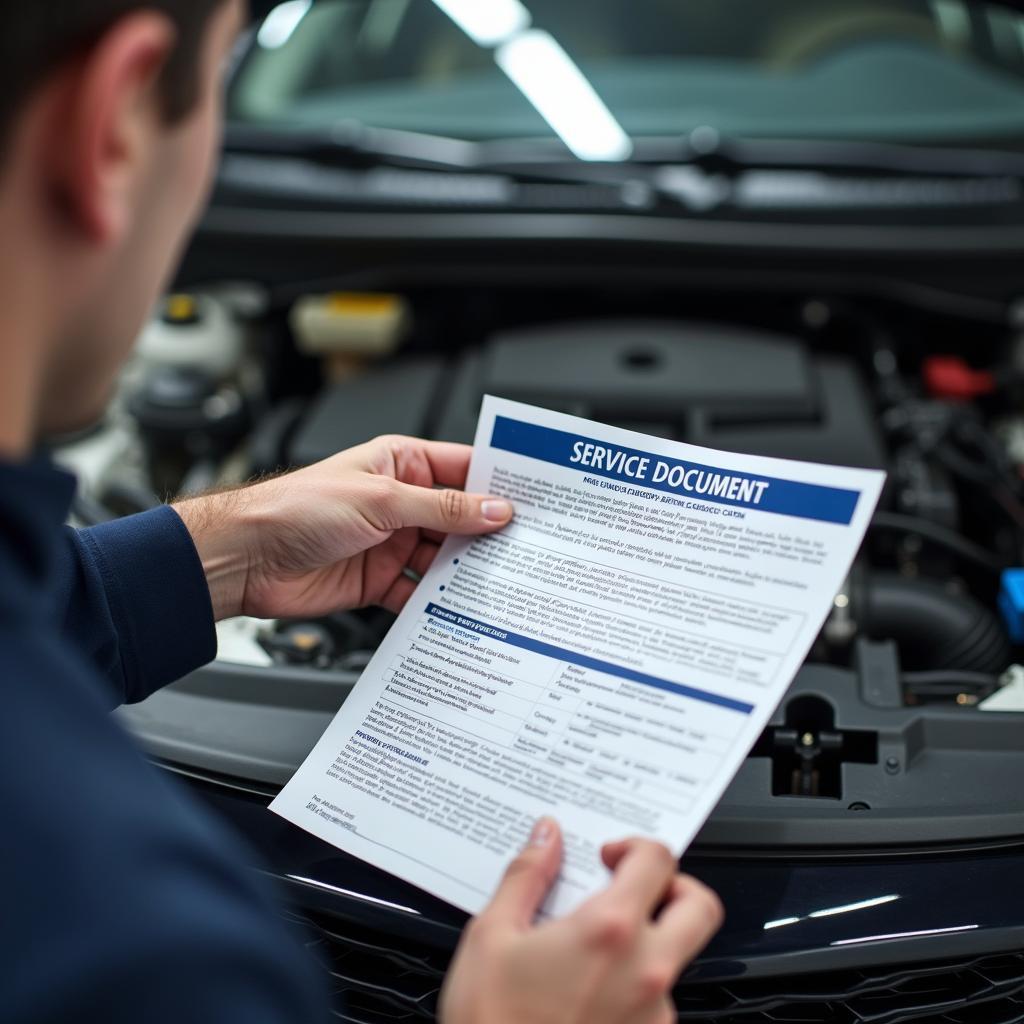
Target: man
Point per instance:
(121, 900)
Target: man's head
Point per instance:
(109, 126)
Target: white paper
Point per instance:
(608, 659)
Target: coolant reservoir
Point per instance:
(350, 324)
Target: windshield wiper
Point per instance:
(496, 167)
(705, 171)
(352, 143)
(705, 147)
(702, 171)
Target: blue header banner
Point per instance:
(688, 480)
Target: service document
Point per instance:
(608, 659)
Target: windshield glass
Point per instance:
(600, 74)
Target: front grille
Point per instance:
(985, 990)
(379, 979)
(375, 977)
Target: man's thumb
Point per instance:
(529, 877)
(449, 511)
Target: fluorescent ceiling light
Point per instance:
(280, 24)
(487, 22)
(547, 76)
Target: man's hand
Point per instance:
(611, 962)
(339, 534)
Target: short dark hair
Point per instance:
(39, 35)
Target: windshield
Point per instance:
(601, 74)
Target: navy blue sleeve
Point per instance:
(135, 600)
(121, 901)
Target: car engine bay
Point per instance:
(903, 727)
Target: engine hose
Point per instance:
(933, 628)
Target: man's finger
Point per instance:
(450, 511)
(423, 557)
(404, 586)
(529, 877)
(396, 596)
(692, 914)
(612, 853)
(643, 872)
(449, 462)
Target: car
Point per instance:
(793, 229)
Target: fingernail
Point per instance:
(496, 511)
(543, 832)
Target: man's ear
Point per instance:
(108, 117)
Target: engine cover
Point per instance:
(723, 387)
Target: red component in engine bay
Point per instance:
(949, 377)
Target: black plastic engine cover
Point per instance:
(722, 387)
